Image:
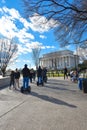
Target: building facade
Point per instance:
(59, 60)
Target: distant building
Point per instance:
(59, 60)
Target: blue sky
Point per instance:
(30, 33)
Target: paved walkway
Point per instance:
(58, 105)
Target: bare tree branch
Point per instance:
(71, 17)
(35, 55)
(8, 49)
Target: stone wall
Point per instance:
(4, 81)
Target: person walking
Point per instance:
(26, 75)
(31, 75)
(39, 74)
(65, 73)
(17, 76)
(12, 81)
(44, 74)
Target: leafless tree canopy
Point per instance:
(70, 15)
(35, 55)
(8, 49)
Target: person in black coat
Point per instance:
(26, 75)
(12, 82)
(65, 72)
(39, 74)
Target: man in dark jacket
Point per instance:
(12, 82)
(26, 74)
(39, 74)
(65, 72)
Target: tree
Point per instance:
(8, 49)
(85, 62)
(83, 66)
(82, 53)
(69, 15)
(35, 55)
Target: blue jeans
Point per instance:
(39, 79)
(25, 82)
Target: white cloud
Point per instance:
(14, 14)
(47, 47)
(18, 61)
(12, 24)
(23, 49)
(26, 61)
(34, 44)
(24, 36)
(37, 45)
(41, 24)
(10, 29)
(16, 26)
(42, 36)
(26, 24)
(27, 48)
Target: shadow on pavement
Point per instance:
(57, 83)
(52, 100)
(60, 88)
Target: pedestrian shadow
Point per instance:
(52, 100)
(56, 80)
(60, 88)
(57, 83)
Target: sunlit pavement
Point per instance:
(58, 105)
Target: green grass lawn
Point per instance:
(55, 75)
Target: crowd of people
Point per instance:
(41, 74)
(14, 79)
(73, 74)
(28, 75)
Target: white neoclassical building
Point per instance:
(59, 60)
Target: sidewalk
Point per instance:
(58, 105)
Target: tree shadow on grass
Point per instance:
(52, 100)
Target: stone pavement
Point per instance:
(58, 105)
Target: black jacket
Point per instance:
(17, 75)
(26, 72)
(39, 72)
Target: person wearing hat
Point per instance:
(26, 75)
